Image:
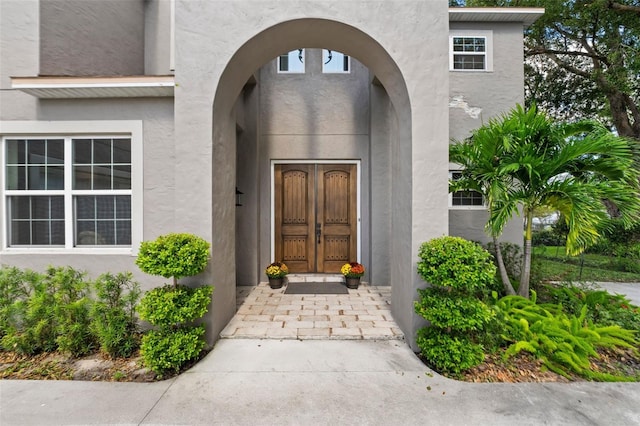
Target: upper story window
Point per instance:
(291, 62)
(470, 51)
(335, 62)
(464, 198)
(68, 191)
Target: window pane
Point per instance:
(36, 152)
(105, 207)
(102, 151)
(55, 177)
(122, 151)
(292, 62)
(123, 207)
(123, 233)
(468, 62)
(20, 233)
(55, 151)
(82, 177)
(82, 151)
(111, 223)
(16, 151)
(36, 177)
(85, 208)
(16, 177)
(334, 62)
(36, 220)
(101, 177)
(121, 177)
(106, 233)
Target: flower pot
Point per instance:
(275, 282)
(352, 282)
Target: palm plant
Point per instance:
(524, 160)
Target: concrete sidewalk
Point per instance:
(630, 290)
(316, 382)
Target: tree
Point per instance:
(583, 59)
(524, 160)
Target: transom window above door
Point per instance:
(291, 62)
(334, 62)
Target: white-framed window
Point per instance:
(471, 50)
(335, 62)
(291, 62)
(467, 199)
(71, 190)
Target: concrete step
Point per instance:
(314, 278)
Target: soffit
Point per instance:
(494, 14)
(95, 87)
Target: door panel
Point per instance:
(315, 216)
(337, 215)
(294, 200)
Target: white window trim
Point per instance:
(304, 64)
(325, 71)
(38, 129)
(486, 34)
(452, 207)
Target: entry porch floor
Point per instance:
(363, 314)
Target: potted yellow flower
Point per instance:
(352, 272)
(276, 272)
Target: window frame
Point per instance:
(483, 206)
(68, 130)
(304, 60)
(324, 69)
(488, 53)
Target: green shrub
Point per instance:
(15, 286)
(564, 343)
(168, 307)
(113, 314)
(174, 255)
(459, 271)
(448, 353)
(547, 237)
(31, 321)
(463, 314)
(71, 310)
(456, 263)
(164, 351)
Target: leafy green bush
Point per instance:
(15, 286)
(547, 237)
(167, 307)
(456, 263)
(174, 255)
(448, 353)
(113, 314)
(459, 272)
(603, 308)
(168, 351)
(31, 325)
(564, 343)
(71, 310)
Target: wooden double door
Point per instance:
(315, 216)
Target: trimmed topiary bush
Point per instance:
(174, 255)
(169, 350)
(170, 308)
(460, 272)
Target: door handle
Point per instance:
(318, 231)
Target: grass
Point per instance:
(555, 265)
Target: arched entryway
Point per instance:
(410, 189)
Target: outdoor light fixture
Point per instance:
(238, 194)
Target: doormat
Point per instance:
(316, 288)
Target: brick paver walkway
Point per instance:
(263, 312)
